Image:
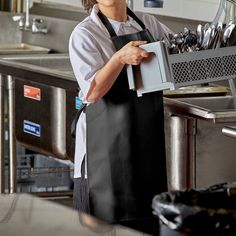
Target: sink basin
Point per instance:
(50, 64)
(211, 103)
(58, 62)
(21, 48)
(214, 109)
(50, 69)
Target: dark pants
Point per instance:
(80, 195)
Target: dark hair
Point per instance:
(88, 4)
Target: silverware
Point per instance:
(228, 31)
(207, 37)
(200, 35)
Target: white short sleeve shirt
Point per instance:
(90, 48)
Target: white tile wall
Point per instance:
(202, 10)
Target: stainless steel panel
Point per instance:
(54, 113)
(210, 155)
(9, 29)
(57, 39)
(215, 155)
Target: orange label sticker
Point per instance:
(32, 92)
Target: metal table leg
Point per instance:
(12, 140)
(2, 162)
(182, 154)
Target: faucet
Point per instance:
(24, 22)
(37, 26)
(27, 7)
(21, 23)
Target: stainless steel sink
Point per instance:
(215, 109)
(51, 77)
(22, 48)
(59, 62)
(211, 103)
(50, 64)
(198, 155)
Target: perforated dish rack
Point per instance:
(203, 66)
(171, 71)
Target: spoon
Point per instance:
(200, 35)
(228, 31)
(206, 39)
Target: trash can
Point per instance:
(210, 211)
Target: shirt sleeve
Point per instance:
(86, 58)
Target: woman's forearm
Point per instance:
(106, 76)
(104, 79)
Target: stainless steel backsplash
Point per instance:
(60, 21)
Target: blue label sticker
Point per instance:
(78, 103)
(32, 128)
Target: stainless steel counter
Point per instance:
(52, 75)
(220, 109)
(197, 152)
(50, 69)
(55, 70)
(27, 215)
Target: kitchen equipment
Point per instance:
(43, 110)
(207, 37)
(194, 141)
(165, 71)
(228, 32)
(219, 39)
(210, 36)
(196, 91)
(226, 16)
(200, 35)
(154, 72)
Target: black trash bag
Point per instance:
(211, 210)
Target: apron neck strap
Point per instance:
(109, 27)
(130, 13)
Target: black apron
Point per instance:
(125, 145)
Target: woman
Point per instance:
(119, 137)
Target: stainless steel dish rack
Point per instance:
(165, 71)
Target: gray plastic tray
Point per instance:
(203, 66)
(164, 71)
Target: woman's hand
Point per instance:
(131, 53)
